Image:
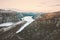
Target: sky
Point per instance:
(31, 5)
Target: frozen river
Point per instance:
(29, 20)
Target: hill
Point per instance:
(45, 28)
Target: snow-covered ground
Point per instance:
(29, 20)
(6, 24)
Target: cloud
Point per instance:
(55, 5)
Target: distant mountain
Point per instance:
(7, 16)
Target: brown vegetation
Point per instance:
(48, 16)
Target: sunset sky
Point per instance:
(31, 5)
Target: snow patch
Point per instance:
(6, 24)
(29, 20)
